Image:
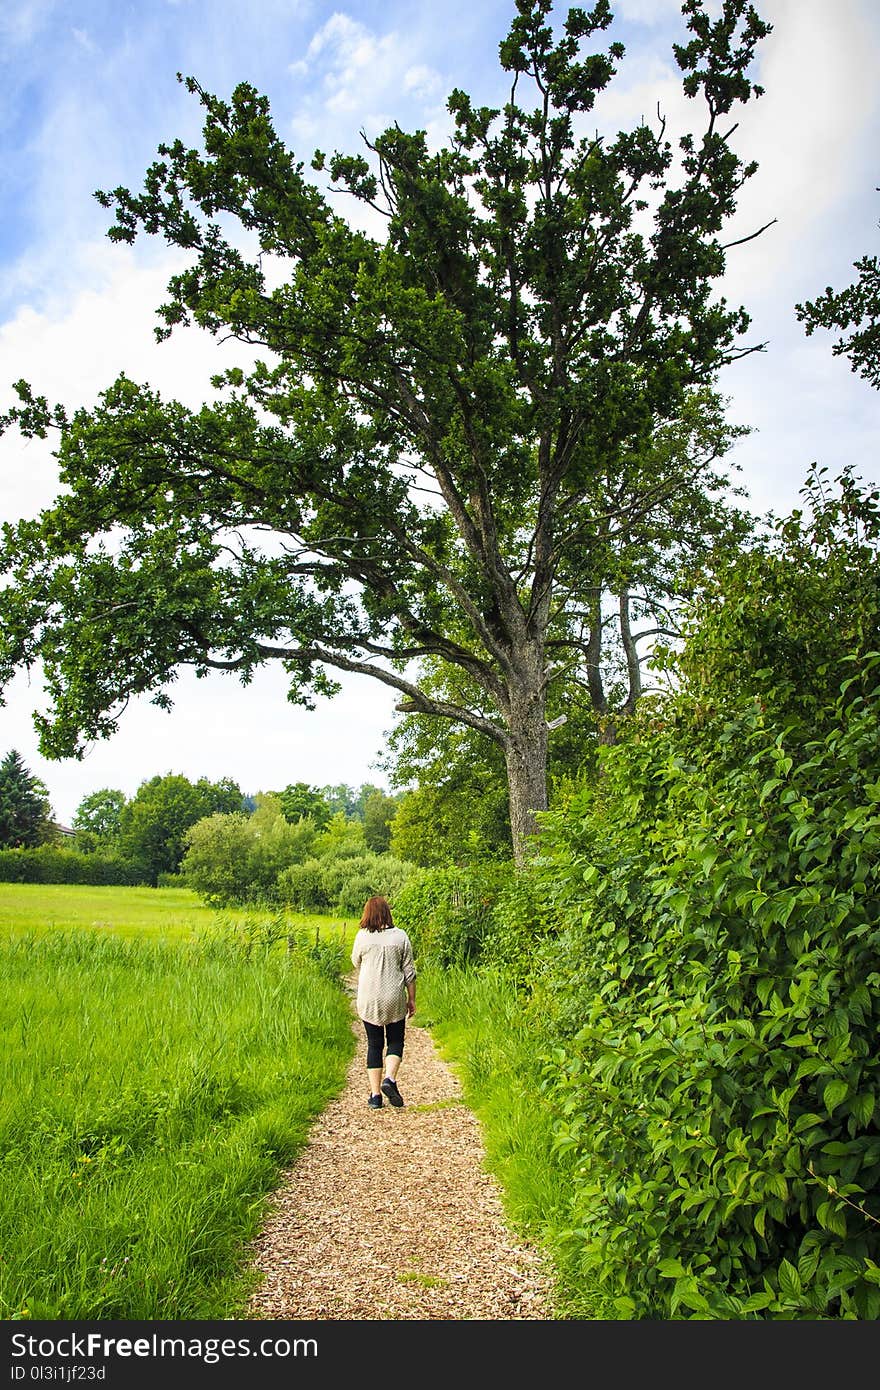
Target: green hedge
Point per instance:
(716, 1008)
(50, 864)
(493, 914)
(713, 997)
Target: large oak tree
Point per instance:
(464, 435)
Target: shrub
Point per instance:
(714, 993)
(448, 912)
(301, 886)
(490, 915)
(50, 864)
(341, 838)
(236, 858)
(342, 884)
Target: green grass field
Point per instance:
(166, 914)
(161, 1064)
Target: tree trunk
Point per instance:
(526, 758)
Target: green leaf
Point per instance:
(756, 1301)
(686, 1292)
(831, 1218)
(808, 1264)
(862, 1107)
(789, 1280)
(834, 1093)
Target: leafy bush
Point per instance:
(448, 913)
(50, 864)
(491, 915)
(342, 884)
(236, 858)
(301, 886)
(714, 993)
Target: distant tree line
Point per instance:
(173, 823)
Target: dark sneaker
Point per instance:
(375, 1102)
(391, 1091)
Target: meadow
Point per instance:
(162, 1062)
(161, 914)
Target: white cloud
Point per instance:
(422, 81)
(361, 72)
(809, 133)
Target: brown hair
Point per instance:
(377, 915)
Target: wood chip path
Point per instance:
(391, 1213)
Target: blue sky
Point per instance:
(88, 90)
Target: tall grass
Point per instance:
(151, 1094)
(481, 1028)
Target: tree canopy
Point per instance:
(299, 801)
(98, 818)
(154, 823)
(485, 437)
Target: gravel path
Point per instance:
(391, 1213)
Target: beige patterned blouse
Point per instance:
(384, 962)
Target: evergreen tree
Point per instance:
(25, 813)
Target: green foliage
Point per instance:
(237, 858)
(349, 882)
(56, 864)
(520, 922)
(349, 800)
(714, 990)
(856, 311)
(218, 858)
(795, 611)
(379, 813)
(341, 837)
(98, 819)
(533, 342)
(454, 808)
(448, 913)
(341, 797)
(301, 886)
(343, 883)
(491, 915)
(457, 813)
(266, 858)
(154, 823)
(25, 813)
(301, 802)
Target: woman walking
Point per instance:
(386, 996)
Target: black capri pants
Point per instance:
(382, 1037)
